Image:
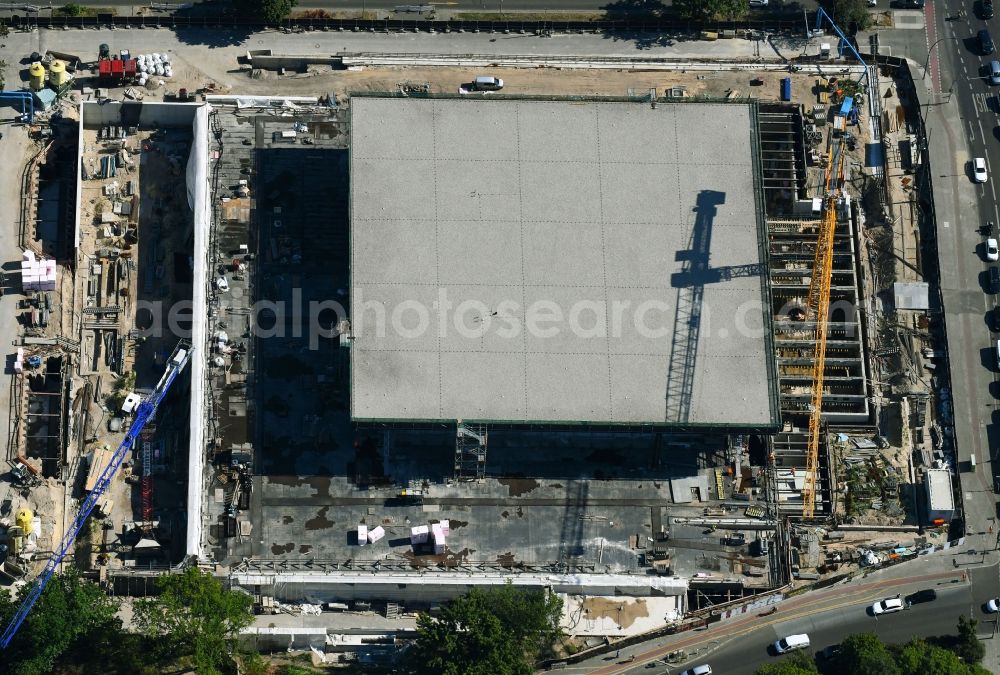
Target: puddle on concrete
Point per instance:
(518, 487)
(280, 549)
(320, 522)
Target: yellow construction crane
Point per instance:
(819, 310)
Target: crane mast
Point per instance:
(819, 310)
(144, 413)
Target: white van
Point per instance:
(792, 643)
(488, 83)
(998, 353)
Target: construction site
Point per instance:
(660, 344)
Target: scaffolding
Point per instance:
(470, 451)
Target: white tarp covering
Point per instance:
(198, 192)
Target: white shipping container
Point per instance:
(362, 535)
(376, 534)
(418, 535)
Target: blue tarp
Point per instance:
(845, 108)
(786, 89)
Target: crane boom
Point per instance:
(145, 412)
(819, 308)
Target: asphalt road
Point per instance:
(957, 70)
(827, 622)
(745, 654)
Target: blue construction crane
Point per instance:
(145, 412)
(820, 15)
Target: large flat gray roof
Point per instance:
(470, 218)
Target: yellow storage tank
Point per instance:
(22, 518)
(36, 76)
(57, 74)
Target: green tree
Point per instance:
(71, 9)
(495, 631)
(798, 664)
(72, 614)
(967, 646)
(865, 654)
(701, 10)
(269, 11)
(920, 656)
(849, 14)
(195, 615)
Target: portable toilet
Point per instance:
(36, 76)
(22, 518)
(57, 74)
(786, 89)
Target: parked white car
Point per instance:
(993, 605)
(992, 251)
(979, 170)
(887, 606)
(703, 669)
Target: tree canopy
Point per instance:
(711, 9)
(797, 664)
(495, 631)
(70, 615)
(865, 654)
(195, 615)
(269, 11)
(850, 15)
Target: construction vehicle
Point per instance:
(144, 413)
(818, 309)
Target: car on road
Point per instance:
(986, 9)
(993, 606)
(703, 669)
(994, 69)
(992, 251)
(487, 83)
(985, 42)
(758, 3)
(979, 173)
(993, 319)
(828, 653)
(887, 606)
(792, 643)
(925, 595)
(993, 280)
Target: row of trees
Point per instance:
(76, 627)
(193, 621)
(865, 654)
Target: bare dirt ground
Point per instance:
(580, 82)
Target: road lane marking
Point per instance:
(982, 102)
(972, 132)
(982, 135)
(947, 224)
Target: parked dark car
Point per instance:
(993, 279)
(993, 319)
(986, 9)
(985, 42)
(926, 595)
